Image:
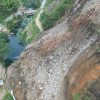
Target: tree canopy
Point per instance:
(4, 47)
(9, 6)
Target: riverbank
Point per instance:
(34, 28)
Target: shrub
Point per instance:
(4, 47)
(77, 97)
(88, 98)
(14, 23)
(48, 20)
(8, 97)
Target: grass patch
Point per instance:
(77, 97)
(34, 32)
(2, 18)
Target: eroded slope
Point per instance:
(41, 72)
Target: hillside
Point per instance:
(63, 62)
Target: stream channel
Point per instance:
(15, 44)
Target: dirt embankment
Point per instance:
(63, 60)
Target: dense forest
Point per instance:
(49, 19)
(31, 3)
(6, 8)
(4, 50)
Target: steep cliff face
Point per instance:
(62, 60)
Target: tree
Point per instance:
(14, 23)
(9, 6)
(4, 47)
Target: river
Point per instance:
(15, 44)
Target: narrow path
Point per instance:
(38, 23)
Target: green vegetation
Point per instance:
(89, 84)
(33, 4)
(77, 97)
(26, 3)
(8, 97)
(98, 49)
(80, 97)
(14, 23)
(97, 29)
(48, 20)
(22, 36)
(13, 84)
(88, 98)
(4, 50)
(32, 30)
(6, 8)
